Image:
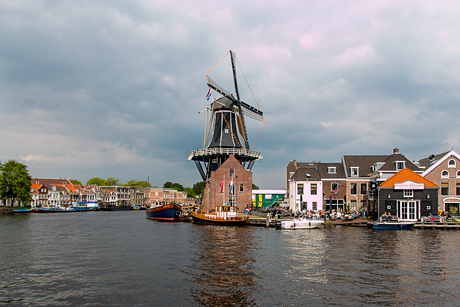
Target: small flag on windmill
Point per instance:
(208, 95)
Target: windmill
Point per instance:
(225, 123)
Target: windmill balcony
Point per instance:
(198, 153)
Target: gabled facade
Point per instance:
(444, 170)
(306, 189)
(408, 196)
(231, 171)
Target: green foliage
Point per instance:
(75, 181)
(112, 181)
(141, 184)
(190, 192)
(175, 186)
(254, 187)
(15, 182)
(97, 181)
(198, 188)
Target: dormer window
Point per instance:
(354, 171)
(452, 163)
(399, 165)
(331, 170)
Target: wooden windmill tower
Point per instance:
(225, 124)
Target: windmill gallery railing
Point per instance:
(253, 155)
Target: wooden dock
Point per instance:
(437, 225)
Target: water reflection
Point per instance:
(223, 264)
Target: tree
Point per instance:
(175, 186)
(15, 182)
(140, 184)
(75, 181)
(254, 187)
(96, 180)
(198, 188)
(112, 181)
(190, 192)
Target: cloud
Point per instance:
(113, 88)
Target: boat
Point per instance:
(116, 208)
(51, 209)
(302, 223)
(169, 212)
(23, 210)
(221, 215)
(390, 225)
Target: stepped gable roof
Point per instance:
(363, 162)
(50, 181)
(407, 175)
(432, 159)
(390, 166)
(323, 170)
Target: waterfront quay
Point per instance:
(357, 222)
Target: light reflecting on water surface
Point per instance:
(121, 258)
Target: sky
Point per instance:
(114, 88)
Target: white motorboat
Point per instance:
(302, 223)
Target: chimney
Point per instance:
(396, 151)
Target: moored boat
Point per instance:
(22, 210)
(168, 212)
(391, 225)
(302, 223)
(222, 215)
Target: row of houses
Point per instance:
(62, 193)
(380, 183)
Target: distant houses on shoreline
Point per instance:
(360, 183)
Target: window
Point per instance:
(363, 188)
(231, 173)
(334, 186)
(353, 205)
(399, 165)
(313, 189)
(444, 188)
(444, 174)
(452, 163)
(354, 171)
(241, 187)
(314, 206)
(458, 174)
(408, 193)
(331, 170)
(353, 189)
(300, 188)
(458, 189)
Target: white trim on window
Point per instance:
(451, 163)
(445, 174)
(408, 193)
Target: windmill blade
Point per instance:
(220, 90)
(239, 120)
(252, 112)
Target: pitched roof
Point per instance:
(389, 163)
(50, 181)
(432, 159)
(407, 175)
(363, 162)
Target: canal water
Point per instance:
(123, 259)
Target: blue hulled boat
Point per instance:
(391, 225)
(168, 212)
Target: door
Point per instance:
(409, 210)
